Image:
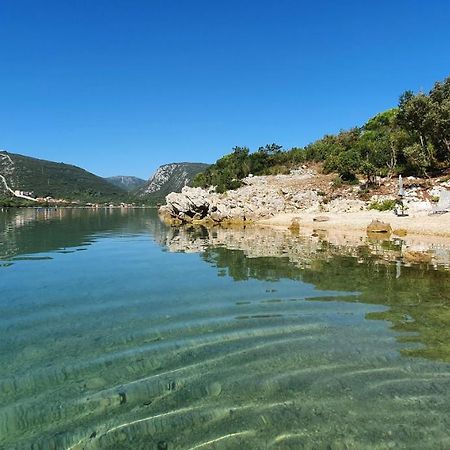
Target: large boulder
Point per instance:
(190, 203)
(377, 226)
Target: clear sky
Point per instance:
(120, 87)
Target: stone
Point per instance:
(416, 256)
(321, 219)
(377, 226)
(400, 232)
(95, 383)
(214, 389)
(295, 224)
(258, 198)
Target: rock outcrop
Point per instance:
(259, 198)
(305, 190)
(169, 178)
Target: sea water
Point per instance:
(118, 332)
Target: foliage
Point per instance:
(14, 202)
(58, 180)
(412, 139)
(385, 205)
(427, 120)
(229, 170)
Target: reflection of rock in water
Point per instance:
(376, 268)
(300, 249)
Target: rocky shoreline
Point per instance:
(259, 198)
(305, 197)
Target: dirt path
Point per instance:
(26, 197)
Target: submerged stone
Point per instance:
(214, 389)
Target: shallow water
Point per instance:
(117, 332)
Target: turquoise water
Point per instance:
(117, 332)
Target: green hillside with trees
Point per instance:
(412, 139)
(56, 180)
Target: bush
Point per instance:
(385, 205)
(337, 182)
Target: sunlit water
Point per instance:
(117, 332)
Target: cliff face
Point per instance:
(169, 178)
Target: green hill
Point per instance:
(57, 180)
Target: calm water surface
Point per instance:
(117, 332)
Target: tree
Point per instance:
(415, 116)
(439, 118)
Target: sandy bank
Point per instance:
(420, 223)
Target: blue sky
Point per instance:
(120, 87)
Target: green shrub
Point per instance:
(337, 182)
(385, 205)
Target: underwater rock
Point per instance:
(214, 389)
(95, 383)
(162, 445)
(123, 397)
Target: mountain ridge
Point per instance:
(45, 178)
(127, 182)
(171, 177)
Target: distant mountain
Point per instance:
(126, 182)
(169, 178)
(51, 179)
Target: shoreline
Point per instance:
(418, 224)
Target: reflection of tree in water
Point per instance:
(27, 231)
(418, 300)
(235, 264)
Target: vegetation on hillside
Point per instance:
(8, 201)
(58, 180)
(412, 139)
(127, 183)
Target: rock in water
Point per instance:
(376, 226)
(417, 257)
(400, 232)
(214, 389)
